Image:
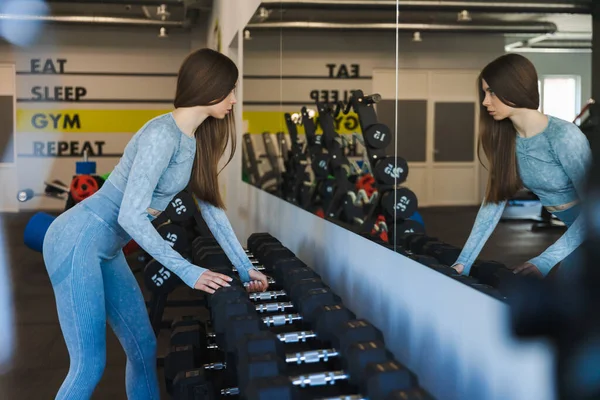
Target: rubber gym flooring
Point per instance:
(41, 360)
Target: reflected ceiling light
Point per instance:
(162, 12)
(417, 37)
(464, 16)
(162, 33)
(247, 35)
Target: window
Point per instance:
(559, 95)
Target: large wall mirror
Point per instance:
(319, 111)
(367, 113)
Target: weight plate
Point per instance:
(181, 208)
(160, 279)
(391, 170)
(377, 136)
(83, 186)
(406, 203)
(175, 235)
(400, 205)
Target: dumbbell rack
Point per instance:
(251, 162)
(389, 172)
(338, 165)
(490, 277)
(226, 315)
(298, 192)
(319, 161)
(178, 225)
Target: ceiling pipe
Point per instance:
(83, 19)
(533, 28)
(552, 50)
(433, 5)
(565, 38)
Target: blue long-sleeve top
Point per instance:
(553, 165)
(155, 166)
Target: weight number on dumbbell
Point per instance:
(161, 276)
(178, 206)
(391, 170)
(378, 136)
(402, 204)
(171, 238)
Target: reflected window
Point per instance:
(560, 96)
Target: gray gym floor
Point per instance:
(41, 359)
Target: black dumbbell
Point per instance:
(294, 290)
(176, 235)
(400, 203)
(375, 380)
(159, 279)
(334, 323)
(361, 343)
(256, 239)
(211, 255)
(181, 208)
(231, 301)
(445, 253)
(253, 350)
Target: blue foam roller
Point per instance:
(85, 167)
(36, 230)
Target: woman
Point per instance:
(82, 248)
(526, 148)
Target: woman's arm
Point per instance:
(154, 150)
(487, 218)
(219, 225)
(575, 155)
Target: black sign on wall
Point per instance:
(7, 127)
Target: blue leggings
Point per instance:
(93, 284)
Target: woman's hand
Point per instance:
(459, 268)
(258, 282)
(527, 269)
(210, 281)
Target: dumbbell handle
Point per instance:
(295, 337)
(230, 392)
(270, 281)
(319, 378)
(272, 307)
(349, 397)
(312, 356)
(281, 319)
(215, 366)
(267, 295)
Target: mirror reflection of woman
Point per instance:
(526, 148)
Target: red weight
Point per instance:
(82, 187)
(366, 182)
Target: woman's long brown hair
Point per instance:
(514, 81)
(207, 77)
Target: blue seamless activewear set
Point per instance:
(92, 282)
(553, 165)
